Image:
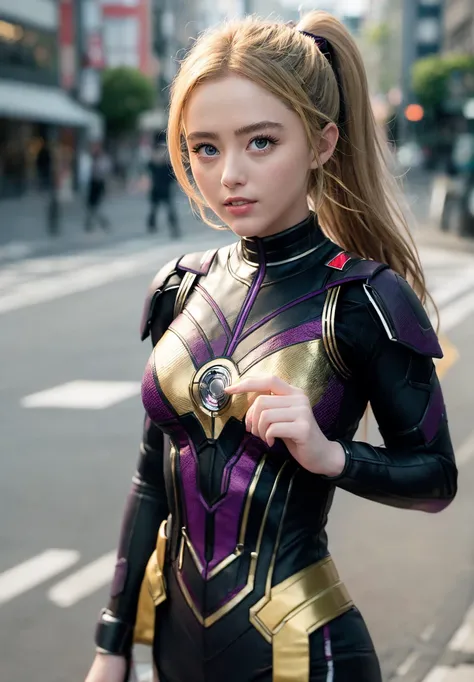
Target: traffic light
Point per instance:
(414, 113)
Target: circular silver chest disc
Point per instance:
(211, 388)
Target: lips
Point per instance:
(238, 201)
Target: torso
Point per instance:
(245, 516)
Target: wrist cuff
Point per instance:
(112, 635)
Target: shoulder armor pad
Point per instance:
(169, 277)
(160, 283)
(402, 314)
(347, 267)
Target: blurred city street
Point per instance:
(71, 410)
(84, 102)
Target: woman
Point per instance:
(259, 382)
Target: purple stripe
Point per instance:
(248, 303)
(151, 398)
(301, 299)
(218, 345)
(216, 309)
(194, 509)
(304, 332)
(198, 348)
(430, 506)
(433, 415)
(192, 270)
(326, 411)
(229, 511)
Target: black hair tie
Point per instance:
(327, 50)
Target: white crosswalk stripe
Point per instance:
(450, 275)
(36, 280)
(84, 582)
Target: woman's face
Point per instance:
(245, 143)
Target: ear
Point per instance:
(326, 145)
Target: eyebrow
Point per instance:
(244, 130)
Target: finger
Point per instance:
(278, 415)
(284, 430)
(267, 384)
(267, 402)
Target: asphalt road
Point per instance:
(66, 469)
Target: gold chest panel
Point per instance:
(304, 365)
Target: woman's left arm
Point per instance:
(416, 467)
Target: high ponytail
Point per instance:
(358, 200)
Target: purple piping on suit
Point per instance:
(151, 398)
(216, 309)
(327, 409)
(227, 511)
(308, 331)
(248, 303)
(306, 297)
(194, 509)
(328, 653)
(218, 345)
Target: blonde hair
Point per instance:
(354, 193)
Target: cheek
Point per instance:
(205, 177)
(287, 170)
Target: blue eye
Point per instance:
(261, 142)
(207, 147)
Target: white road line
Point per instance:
(408, 663)
(460, 637)
(34, 571)
(438, 674)
(456, 312)
(84, 582)
(86, 395)
(454, 288)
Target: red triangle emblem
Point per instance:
(339, 261)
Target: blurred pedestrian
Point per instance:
(97, 185)
(161, 187)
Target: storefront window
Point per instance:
(27, 52)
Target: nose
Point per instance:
(233, 173)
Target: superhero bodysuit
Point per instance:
(245, 586)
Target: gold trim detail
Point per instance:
(247, 589)
(329, 333)
(294, 609)
(152, 591)
(183, 291)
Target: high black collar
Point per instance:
(285, 246)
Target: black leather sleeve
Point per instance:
(415, 469)
(145, 509)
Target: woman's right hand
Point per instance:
(107, 668)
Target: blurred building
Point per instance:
(127, 33)
(422, 33)
(459, 26)
(38, 118)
